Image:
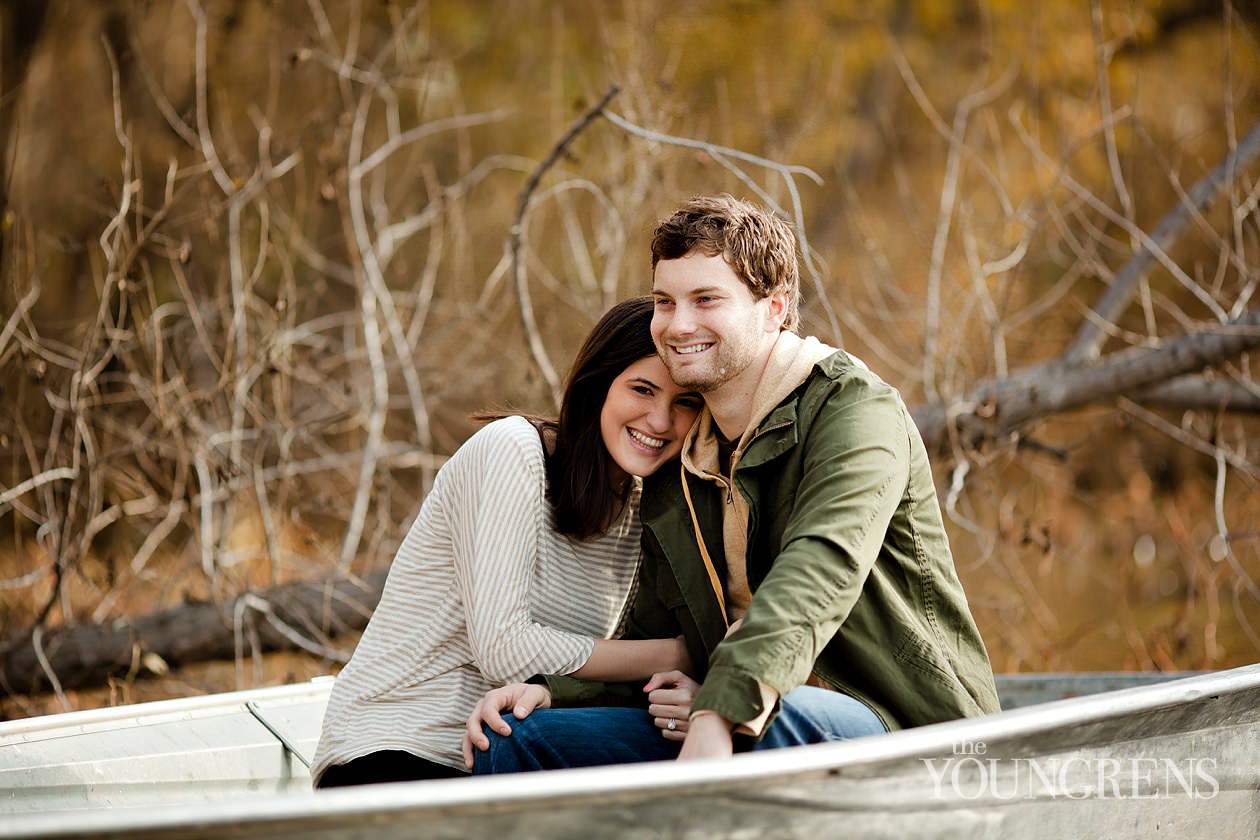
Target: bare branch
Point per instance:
(57, 474)
(204, 136)
(379, 155)
(1200, 394)
(1186, 439)
(50, 674)
(994, 409)
(1222, 528)
(1103, 52)
(1089, 338)
(516, 236)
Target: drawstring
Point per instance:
(704, 551)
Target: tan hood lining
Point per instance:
(791, 361)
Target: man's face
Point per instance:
(708, 327)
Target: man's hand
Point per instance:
(521, 698)
(709, 737)
(669, 698)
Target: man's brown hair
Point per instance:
(758, 246)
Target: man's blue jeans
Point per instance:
(552, 739)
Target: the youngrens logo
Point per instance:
(970, 773)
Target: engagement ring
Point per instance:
(672, 725)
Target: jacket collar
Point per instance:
(792, 358)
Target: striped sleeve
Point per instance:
(496, 543)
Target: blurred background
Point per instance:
(260, 260)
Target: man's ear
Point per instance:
(776, 310)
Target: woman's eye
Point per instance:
(641, 389)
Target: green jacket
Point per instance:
(847, 559)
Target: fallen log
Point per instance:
(291, 616)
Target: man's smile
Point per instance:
(688, 349)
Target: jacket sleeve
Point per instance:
(495, 537)
(856, 466)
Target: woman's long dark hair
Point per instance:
(579, 467)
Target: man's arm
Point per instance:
(855, 470)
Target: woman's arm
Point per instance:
(497, 511)
(615, 660)
(496, 527)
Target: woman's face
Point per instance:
(645, 417)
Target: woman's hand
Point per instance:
(521, 698)
(669, 702)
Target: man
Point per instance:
(799, 541)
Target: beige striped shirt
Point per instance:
(482, 592)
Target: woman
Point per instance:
(520, 562)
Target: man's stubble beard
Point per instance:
(728, 362)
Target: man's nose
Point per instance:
(683, 321)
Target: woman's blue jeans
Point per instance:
(552, 739)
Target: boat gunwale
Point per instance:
(29, 730)
(634, 782)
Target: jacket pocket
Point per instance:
(916, 652)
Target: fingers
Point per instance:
(670, 694)
(669, 711)
(670, 718)
(492, 718)
(521, 698)
(679, 730)
(673, 689)
(474, 737)
(659, 679)
(672, 697)
(531, 698)
(666, 679)
(472, 730)
(485, 712)
(489, 713)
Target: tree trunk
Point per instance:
(287, 617)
